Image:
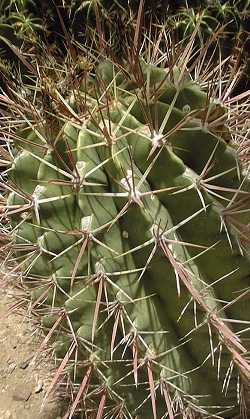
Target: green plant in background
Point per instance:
(28, 23)
(129, 228)
(186, 22)
(17, 23)
(19, 31)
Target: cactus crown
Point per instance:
(129, 223)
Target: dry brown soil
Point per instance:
(23, 383)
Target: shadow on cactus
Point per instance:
(129, 211)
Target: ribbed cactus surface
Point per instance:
(129, 222)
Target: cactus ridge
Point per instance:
(130, 224)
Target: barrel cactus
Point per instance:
(129, 224)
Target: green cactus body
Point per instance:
(130, 243)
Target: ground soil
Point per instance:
(23, 382)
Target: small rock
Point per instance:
(7, 415)
(23, 365)
(21, 394)
(39, 387)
